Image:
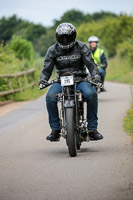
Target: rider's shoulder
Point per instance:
(53, 47)
(83, 46)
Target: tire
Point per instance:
(71, 136)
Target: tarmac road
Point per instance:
(32, 168)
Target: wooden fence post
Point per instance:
(9, 84)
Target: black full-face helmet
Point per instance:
(66, 35)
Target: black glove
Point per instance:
(104, 66)
(43, 84)
(96, 79)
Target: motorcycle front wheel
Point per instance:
(71, 136)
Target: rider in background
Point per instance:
(70, 55)
(99, 57)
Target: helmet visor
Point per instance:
(65, 39)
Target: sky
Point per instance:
(45, 11)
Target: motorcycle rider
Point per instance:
(70, 55)
(99, 57)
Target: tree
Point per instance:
(34, 31)
(23, 49)
(75, 17)
(8, 27)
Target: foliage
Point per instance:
(102, 15)
(16, 26)
(76, 17)
(8, 27)
(23, 49)
(128, 122)
(46, 41)
(119, 70)
(112, 31)
(109, 27)
(40, 36)
(28, 94)
(34, 31)
(125, 50)
(9, 64)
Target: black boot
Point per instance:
(102, 89)
(54, 136)
(95, 135)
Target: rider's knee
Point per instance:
(51, 97)
(91, 95)
(102, 73)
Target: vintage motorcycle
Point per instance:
(72, 113)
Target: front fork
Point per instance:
(65, 103)
(78, 104)
(82, 122)
(62, 116)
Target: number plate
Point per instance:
(66, 80)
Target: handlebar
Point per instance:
(98, 85)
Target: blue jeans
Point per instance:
(102, 73)
(89, 93)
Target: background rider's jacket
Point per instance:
(72, 60)
(99, 57)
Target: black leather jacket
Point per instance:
(72, 60)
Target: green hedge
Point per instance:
(15, 57)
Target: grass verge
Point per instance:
(29, 94)
(128, 122)
(120, 70)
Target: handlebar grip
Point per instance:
(41, 86)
